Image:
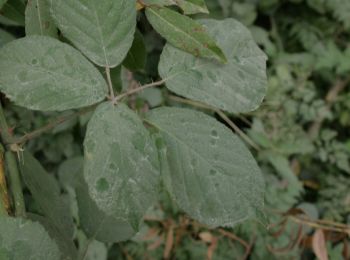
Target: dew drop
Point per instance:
(34, 61)
(212, 172)
(102, 185)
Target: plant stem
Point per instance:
(15, 183)
(110, 84)
(58, 121)
(12, 168)
(136, 90)
(4, 198)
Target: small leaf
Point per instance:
(136, 58)
(121, 163)
(102, 30)
(206, 168)
(42, 73)
(38, 20)
(238, 86)
(193, 6)
(184, 33)
(20, 239)
(188, 6)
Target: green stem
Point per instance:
(15, 183)
(12, 168)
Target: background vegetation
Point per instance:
(300, 136)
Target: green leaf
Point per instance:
(184, 33)
(38, 20)
(102, 30)
(47, 195)
(136, 58)
(5, 37)
(238, 86)
(14, 11)
(65, 244)
(42, 73)
(188, 6)
(95, 223)
(206, 168)
(193, 6)
(23, 239)
(121, 163)
(2, 2)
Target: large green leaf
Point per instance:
(47, 195)
(95, 223)
(22, 239)
(102, 30)
(184, 33)
(188, 6)
(206, 168)
(42, 73)
(238, 86)
(121, 163)
(38, 20)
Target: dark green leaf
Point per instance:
(184, 33)
(136, 58)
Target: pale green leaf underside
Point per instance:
(38, 20)
(121, 163)
(209, 172)
(42, 73)
(21, 239)
(102, 30)
(188, 6)
(184, 33)
(238, 86)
